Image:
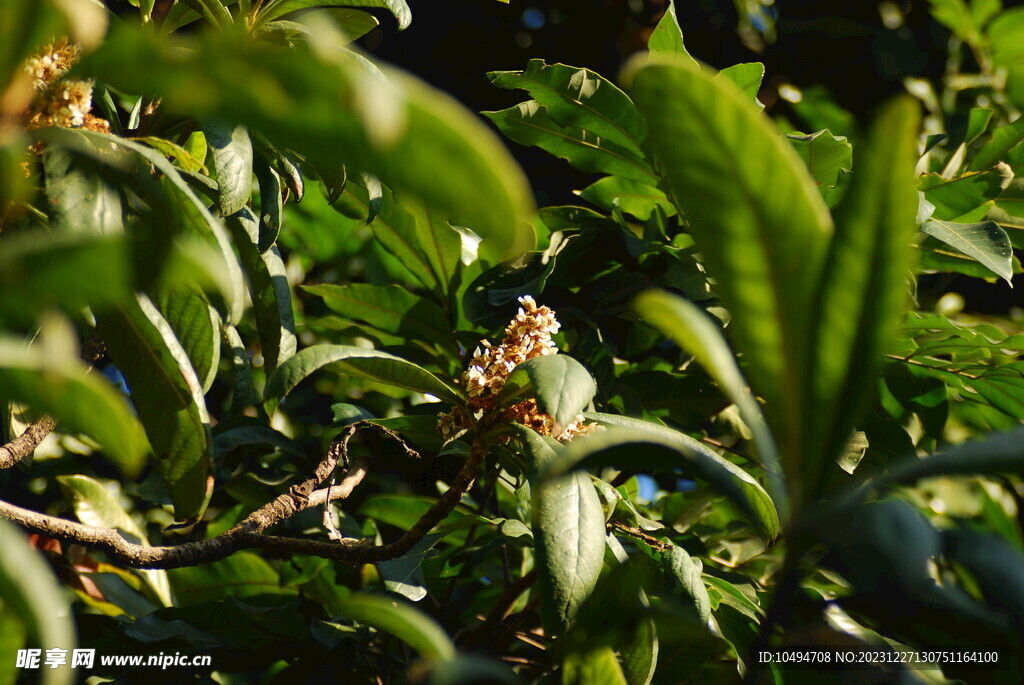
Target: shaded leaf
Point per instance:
(168, 397)
(196, 326)
(95, 506)
(62, 386)
(825, 155)
(362, 363)
(398, 8)
(404, 622)
(639, 445)
(269, 289)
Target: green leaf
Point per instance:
(66, 270)
(186, 159)
(592, 666)
(734, 597)
(55, 381)
(635, 444)
(563, 387)
(985, 241)
(213, 10)
(398, 8)
(754, 213)
(747, 77)
(825, 155)
(568, 533)
(271, 202)
(528, 123)
(977, 123)
(242, 394)
(686, 574)
(243, 574)
(667, 37)
(80, 198)
(29, 592)
(196, 326)
(1004, 35)
(993, 562)
(961, 196)
(332, 105)
(419, 238)
(998, 453)
(362, 363)
(1003, 139)
(469, 669)
(862, 291)
(389, 308)
(176, 198)
(96, 506)
(269, 289)
(576, 98)
(409, 625)
(168, 397)
(230, 164)
(404, 575)
(633, 197)
(694, 332)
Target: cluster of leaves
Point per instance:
(711, 516)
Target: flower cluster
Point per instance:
(527, 336)
(60, 102)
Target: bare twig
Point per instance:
(22, 446)
(249, 534)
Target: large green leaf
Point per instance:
(563, 387)
(996, 148)
(269, 289)
(31, 596)
(529, 123)
(390, 308)
(173, 197)
(986, 242)
(753, 211)
(168, 397)
(66, 270)
(50, 378)
(996, 454)
(279, 8)
(694, 332)
(411, 626)
(568, 533)
(640, 445)
(362, 363)
(332, 106)
(196, 326)
(862, 292)
(578, 98)
(96, 506)
(230, 164)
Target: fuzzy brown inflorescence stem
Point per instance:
(249, 534)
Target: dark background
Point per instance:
(843, 46)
